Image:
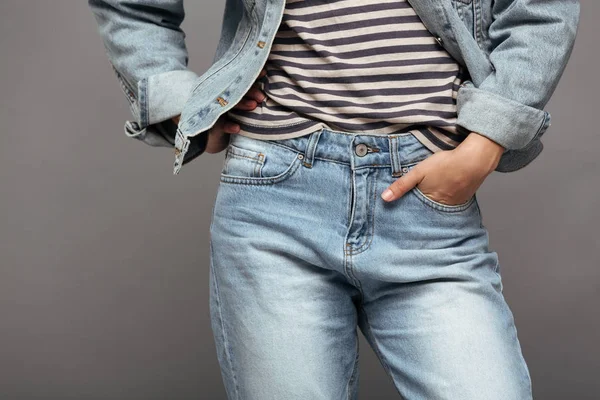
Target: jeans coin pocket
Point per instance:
(242, 162)
(258, 162)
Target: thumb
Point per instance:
(403, 184)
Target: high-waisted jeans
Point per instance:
(304, 251)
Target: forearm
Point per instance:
(146, 47)
(532, 42)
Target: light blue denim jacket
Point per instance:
(515, 51)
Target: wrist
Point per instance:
(486, 151)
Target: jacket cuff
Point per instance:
(507, 122)
(162, 134)
(160, 97)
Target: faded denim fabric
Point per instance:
(303, 250)
(515, 51)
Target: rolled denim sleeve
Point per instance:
(532, 42)
(146, 49)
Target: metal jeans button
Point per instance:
(361, 149)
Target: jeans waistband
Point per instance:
(394, 150)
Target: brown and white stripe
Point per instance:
(364, 66)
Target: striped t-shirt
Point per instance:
(363, 66)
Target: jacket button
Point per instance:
(439, 40)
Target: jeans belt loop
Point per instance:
(396, 166)
(311, 147)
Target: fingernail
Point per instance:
(387, 195)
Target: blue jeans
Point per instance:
(304, 251)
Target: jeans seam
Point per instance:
(522, 357)
(348, 252)
(375, 345)
(368, 242)
(350, 273)
(479, 211)
(225, 342)
(354, 369)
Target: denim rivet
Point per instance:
(301, 156)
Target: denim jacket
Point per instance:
(515, 52)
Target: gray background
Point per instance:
(104, 253)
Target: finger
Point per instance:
(217, 128)
(223, 125)
(246, 104)
(263, 72)
(256, 93)
(403, 184)
(217, 140)
(251, 99)
(231, 127)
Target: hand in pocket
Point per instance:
(450, 177)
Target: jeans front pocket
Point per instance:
(436, 205)
(250, 161)
(441, 206)
(242, 162)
